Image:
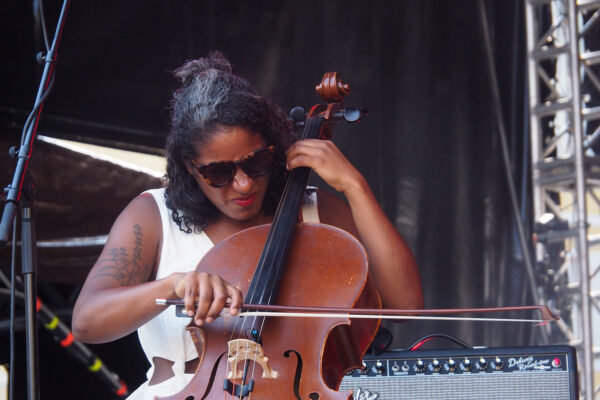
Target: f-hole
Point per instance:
(298, 374)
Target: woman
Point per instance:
(228, 154)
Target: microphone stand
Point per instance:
(14, 199)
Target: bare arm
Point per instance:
(391, 261)
(119, 293)
(117, 296)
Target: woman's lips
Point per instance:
(245, 201)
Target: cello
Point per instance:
(288, 263)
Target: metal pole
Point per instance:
(29, 271)
(15, 198)
(580, 189)
(523, 241)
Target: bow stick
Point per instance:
(266, 310)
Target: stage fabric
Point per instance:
(429, 148)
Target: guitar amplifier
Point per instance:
(532, 373)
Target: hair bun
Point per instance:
(191, 69)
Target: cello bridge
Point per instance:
(243, 349)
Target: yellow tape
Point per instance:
(52, 324)
(96, 365)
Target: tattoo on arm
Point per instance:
(119, 265)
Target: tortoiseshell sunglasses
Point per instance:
(220, 173)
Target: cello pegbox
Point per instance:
(331, 89)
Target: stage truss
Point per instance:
(564, 112)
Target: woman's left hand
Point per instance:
(323, 157)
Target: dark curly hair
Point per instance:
(212, 96)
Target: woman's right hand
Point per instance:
(211, 292)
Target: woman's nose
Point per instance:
(242, 181)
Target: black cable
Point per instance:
(61, 333)
(383, 339)
(13, 198)
(36, 107)
(43, 24)
(51, 81)
(424, 339)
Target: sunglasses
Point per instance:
(220, 173)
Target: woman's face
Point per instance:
(242, 198)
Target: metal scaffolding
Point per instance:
(564, 112)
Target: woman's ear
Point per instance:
(190, 167)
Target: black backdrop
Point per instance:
(429, 148)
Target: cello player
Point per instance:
(228, 153)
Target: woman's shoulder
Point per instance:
(157, 194)
(147, 200)
(142, 210)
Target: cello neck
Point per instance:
(265, 282)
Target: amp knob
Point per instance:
(377, 368)
(420, 366)
(450, 366)
(364, 370)
(466, 365)
(435, 365)
(482, 364)
(497, 364)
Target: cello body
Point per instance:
(288, 263)
(325, 265)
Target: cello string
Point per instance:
(261, 271)
(253, 322)
(237, 331)
(312, 128)
(233, 334)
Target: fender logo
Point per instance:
(362, 394)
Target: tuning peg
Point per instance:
(352, 114)
(297, 116)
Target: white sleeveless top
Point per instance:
(165, 335)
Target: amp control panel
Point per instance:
(460, 364)
(532, 373)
